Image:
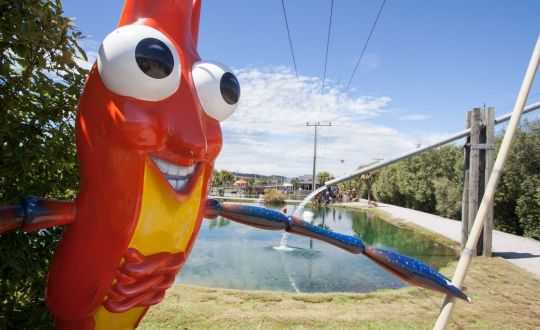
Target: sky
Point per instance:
(426, 65)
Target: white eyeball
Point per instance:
(139, 61)
(217, 88)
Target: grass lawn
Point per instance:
(503, 297)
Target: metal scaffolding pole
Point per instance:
(451, 138)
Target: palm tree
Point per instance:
(324, 176)
(227, 178)
(369, 179)
(221, 178)
(217, 181)
(216, 177)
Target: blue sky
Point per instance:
(427, 63)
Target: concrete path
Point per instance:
(522, 251)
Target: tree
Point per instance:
(222, 178)
(40, 83)
(324, 176)
(274, 196)
(528, 207)
(368, 179)
(448, 197)
(386, 187)
(433, 182)
(216, 179)
(227, 178)
(516, 200)
(411, 182)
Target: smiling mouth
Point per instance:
(177, 176)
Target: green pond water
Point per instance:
(235, 256)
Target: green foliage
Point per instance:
(368, 179)
(517, 205)
(448, 196)
(215, 177)
(40, 82)
(528, 207)
(324, 176)
(352, 189)
(219, 222)
(432, 182)
(386, 186)
(222, 178)
(274, 196)
(411, 183)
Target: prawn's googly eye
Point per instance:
(230, 88)
(140, 62)
(217, 89)
(154, 58)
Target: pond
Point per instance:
(235, 256)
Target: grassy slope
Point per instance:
(504, 296)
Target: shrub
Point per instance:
(528, 207)
(41, 82)
(448, 198)
(274, 196)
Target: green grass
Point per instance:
(504, 296)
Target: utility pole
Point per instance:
(317, 124)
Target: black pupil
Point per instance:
(154, 58)
(230, 88)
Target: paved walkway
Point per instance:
(522, 251)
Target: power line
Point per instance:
(536, 94)
(511, 105)
(326, 55)
(293, 57)
(365, 46)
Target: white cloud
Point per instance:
(268, 135)
(369, 62)
(415, 117)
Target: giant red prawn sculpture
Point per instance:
(148, 133)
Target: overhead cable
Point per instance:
(326, 55)
(365, 46)
(292, 52)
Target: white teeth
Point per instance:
(163, 167)
(181, 171)
(180, 185)
(177, 176)
(174, 170)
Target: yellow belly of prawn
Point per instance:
(164, 225)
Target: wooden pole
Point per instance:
(489, 121)
(465, 196)
(474, 167)
(466, 255)
(482, 180)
